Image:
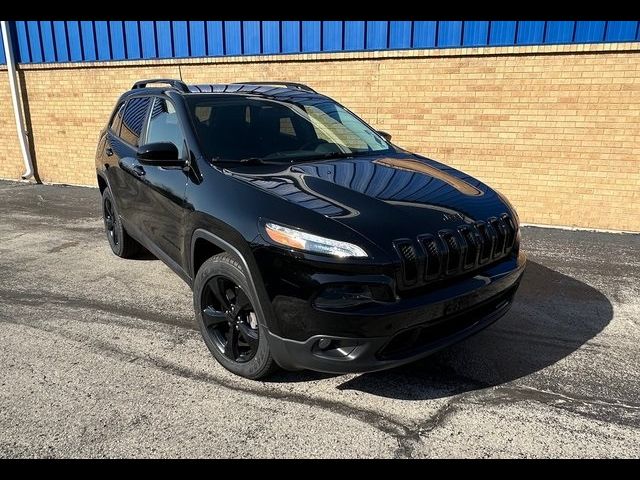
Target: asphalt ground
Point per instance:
(100, 357)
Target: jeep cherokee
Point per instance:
(308, 238)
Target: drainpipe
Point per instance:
(17, 104)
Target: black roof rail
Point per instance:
(297, 86)
(177, 84)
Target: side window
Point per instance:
(116, 120)
(164, 125)
(133, 119)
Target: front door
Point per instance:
(160, 199)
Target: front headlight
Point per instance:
(311, 243)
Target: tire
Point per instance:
(120, 241)
(222, 278)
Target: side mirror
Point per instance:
(385, 135)
(163, 154)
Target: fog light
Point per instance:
(324, 343)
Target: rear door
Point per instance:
(123, 140)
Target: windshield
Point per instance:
(250, 129)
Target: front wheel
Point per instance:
(228, 320)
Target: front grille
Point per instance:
(451, 252)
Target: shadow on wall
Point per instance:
(27, 123)
(552, 316)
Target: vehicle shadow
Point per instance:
(552, 316)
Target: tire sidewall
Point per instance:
(222, 266)
(117, 224)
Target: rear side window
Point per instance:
(133, 119)
(116, 120)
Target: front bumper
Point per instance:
(401, 333)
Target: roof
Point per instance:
(286, 91)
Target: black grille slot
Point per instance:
(486, 241)
(409, 261)
(510, 230)
(501, 236)
(453, 248)
(472, 240)
(433, 262)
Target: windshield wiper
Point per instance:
(252, 161)
(324, 156)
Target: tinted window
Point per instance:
(116, 120)
(133, 119)
(241, 128)
(164, 125)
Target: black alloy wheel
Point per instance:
(229, 318)
(110, 221)
(121, 243)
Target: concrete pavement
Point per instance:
(100, 357)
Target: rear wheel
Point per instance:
(119, 240)
(228, 319)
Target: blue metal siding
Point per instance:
(233, 37)
(621, 31)
(116, 33)
(377, 35)
(449, 34)
(75, 42)
(197, 39)
(424, 34)
(560, 32)
(2, 57)
(132, 39)
(180, 39)
(251, 37)
(354, 35)
(530, 33)
(62, 41)
(270, 37)
(215, 42)
(502, 33)
(164, 40)
(400, 34)
(311, 33)
(88, 41)
(34, 41)
(102, 40)
(148, 39)
(475, 34)
(291, 42)
(589, 32)
(48, 45)
(332, 36)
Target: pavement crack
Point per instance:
(47, 298)
(439, 419)
(622, 413)
(406, 435)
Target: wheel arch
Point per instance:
(204, 241)
(102, 183)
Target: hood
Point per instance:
(381, 197)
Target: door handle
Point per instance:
(108, 151)
(138, 170)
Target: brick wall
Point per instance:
(556, 128)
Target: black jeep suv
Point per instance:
(309, 240)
